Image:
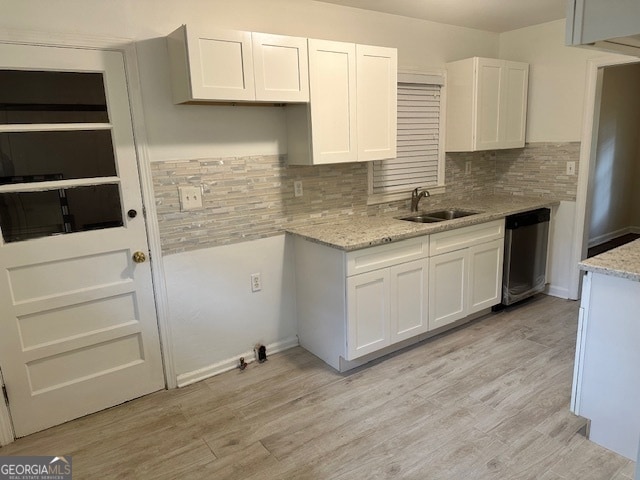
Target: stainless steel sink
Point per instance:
(450, 214)
(438, 216)
(422, 219)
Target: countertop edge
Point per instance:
(311, 234)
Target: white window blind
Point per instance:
(418, 163)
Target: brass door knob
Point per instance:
(139, 257)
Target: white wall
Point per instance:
(557, 80)
(614, 186)
(557, 84)
(214, 317)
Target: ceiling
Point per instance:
(490, 15)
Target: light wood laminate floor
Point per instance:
(489, 400)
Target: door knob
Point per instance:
(132, 213)
(139, 257)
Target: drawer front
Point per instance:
(464, 237)
(369, 259)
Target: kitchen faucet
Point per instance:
(416, 197)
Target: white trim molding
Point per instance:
(188, 378)
(592, 96)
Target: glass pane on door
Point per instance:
(36, 97)
(26, 215)
(44, 156)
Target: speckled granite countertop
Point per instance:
(366, 231)
(622, 262)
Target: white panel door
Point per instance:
(78, 330)
(221, 65)
(485, 275)
(514, 117)
(367, 313)
(489, 91)
(447, 288)
(408, 299)
(332, 84)
(377, 114)
(281, 68)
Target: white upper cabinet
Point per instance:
(377, 104)
(226, 65)
(280, 67)
(486, 104)
(604, 24)
(332, 78)
(352, 111)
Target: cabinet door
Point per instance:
(514, 116)
(408, 299)
(377, 84)
(485, 275)
(281, 68)
(447, 288)
(221, 65)
(367, 313)
(489, 90)
(332, 83)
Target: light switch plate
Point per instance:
(190, 198)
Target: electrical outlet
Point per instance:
(190, 198)
(467, 167)
(297, 188)
(256, 282)
(571, 168)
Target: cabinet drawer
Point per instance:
(368, 259)
(453, 240)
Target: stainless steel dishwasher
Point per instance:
(525, 255)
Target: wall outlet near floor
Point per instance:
(256, 282)
(467, 167)
(297, 188)
(571, 168)
(190, 198)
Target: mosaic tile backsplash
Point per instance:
(246, 198)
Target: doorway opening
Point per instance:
(609, 160)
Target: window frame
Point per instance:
(427, 77)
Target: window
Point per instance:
(57, 162)
(420, 160)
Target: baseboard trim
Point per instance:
(188, 378)
(555, 291)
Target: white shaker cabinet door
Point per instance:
(447, 288)
(281, 68)
(367, 313)
(377, 83)
(516, 82)
(332, 82)
(221, 65)
(489, 93)
(408, 299)
(485, 275)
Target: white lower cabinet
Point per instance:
(485, 275)
(408, 299)
(354, 305)
(368, 313)
(448, 289)
(467, 277)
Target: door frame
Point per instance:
(590, 120)
(127, 47)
